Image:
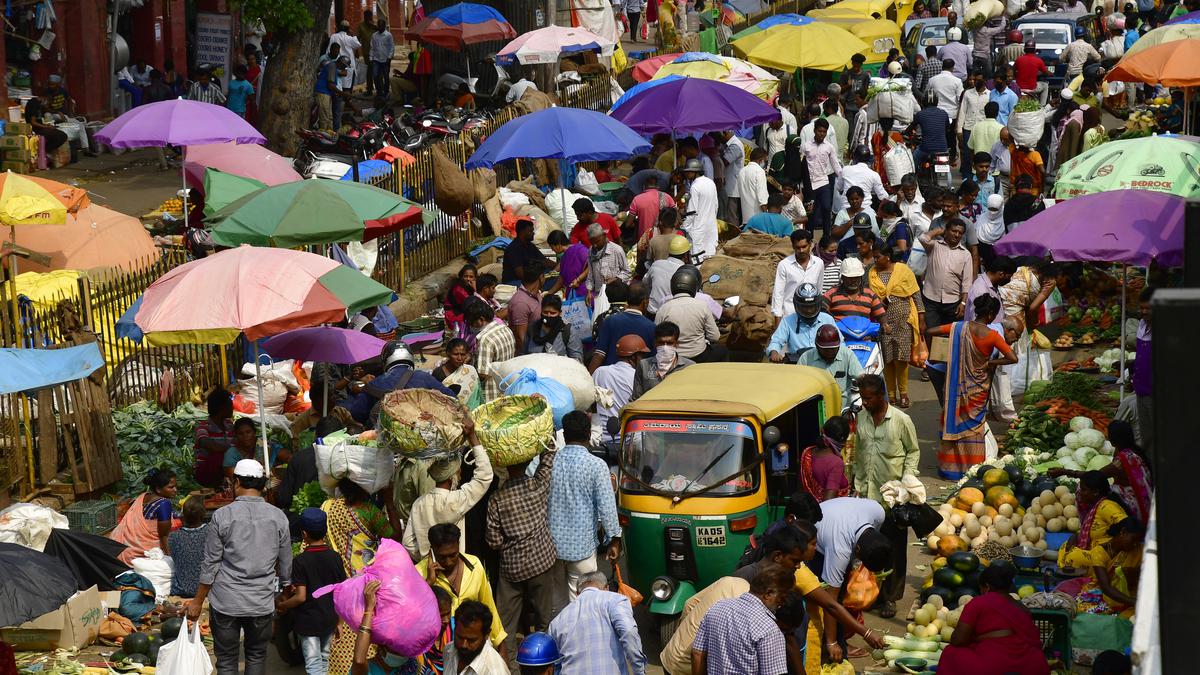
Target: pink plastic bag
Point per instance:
(406, 613)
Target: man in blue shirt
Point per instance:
(400, 373)
(1003, 96)
(797, 333)
(772, 221)
(933, 122)
(631, 321)
(325, 86)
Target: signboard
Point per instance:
(214, 41)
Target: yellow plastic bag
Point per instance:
(843, 668)
(619, 60)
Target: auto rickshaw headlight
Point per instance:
(663, 588)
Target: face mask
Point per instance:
(827, 257)
(553, 322)
(394, 660)
(836, 445)
(664, 359)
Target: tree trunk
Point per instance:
(289, 80)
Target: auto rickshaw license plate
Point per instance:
(710, 536)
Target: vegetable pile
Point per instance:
(148, 437)
(1075, 387)
(309, 495)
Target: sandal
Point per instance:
(857, 653)
(904, 401)
(891, 400)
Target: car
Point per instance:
(1051, 32)
(921, 33)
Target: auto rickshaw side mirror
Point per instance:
(771, 436)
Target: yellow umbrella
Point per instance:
(816, 45)
(741, 74)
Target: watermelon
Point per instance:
(971, 581)
(963, 561)
(139, 658)
(1014, 474)
(976, 483)
(947, 577)
(136, 643)
(949, 597)
(118, 656)
(170, 629)
(153, 652)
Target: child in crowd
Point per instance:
(435, 657)
(187, 548)
(314, 619)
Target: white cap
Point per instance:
(852, 267)
(1065, 94)
(995, 202)
(248, 468)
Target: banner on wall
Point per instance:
(214, 44)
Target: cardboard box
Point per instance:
(18, 129)
(15, 167)
(939, 349)
(14, 141)
(75, 624)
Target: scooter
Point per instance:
(327, 157)
(861, 336)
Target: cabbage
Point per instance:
(1107, 449)
(1098, 462)
(1045, 457)
(1071, 440)
(1070, 464)
(1083, 454)
(1080, 423)
(1092, 438)
(1064, 452)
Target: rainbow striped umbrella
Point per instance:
(463, 24)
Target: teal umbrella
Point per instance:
(308, 212)
(222, 189)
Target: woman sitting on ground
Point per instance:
(461, 289)
(1130, 471)
(1099, 509)
(455, 372)
(246, 445)
(147, 523)
(822, 467)
(1116, 566)
(995, 634)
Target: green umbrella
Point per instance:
(308, 212)
(1165, 163)
(222, 189)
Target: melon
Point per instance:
(995, 477)
(136, 643)
(968, 497)
(950, 544)
(999, 494)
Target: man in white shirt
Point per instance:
(909, 198)
(517, 89)
(618, 378)
(823, 167)
(752, 185)
(945, 90)
(970, 112)
(349, 44)
(471, 646)
(861, 174)
(773, 137)
(794, 270)
(807, 132)
(700, 220)
(734, 155)
(444, 504)
(658, 275)
(790, 124)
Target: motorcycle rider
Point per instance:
(797, 332)
(833, 356)
(698, 332)
(399, 372)
(852, 297)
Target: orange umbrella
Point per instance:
(71, 197)
(1171, 64)
(94, 237)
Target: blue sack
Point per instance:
(526, 382)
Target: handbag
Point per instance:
(576, 314)
(861, 589)
(635, 598)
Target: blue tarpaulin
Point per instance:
(25, 369)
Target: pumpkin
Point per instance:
(968, 497)
(950, 544)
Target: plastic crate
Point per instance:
(1054, 627)
(93, 517)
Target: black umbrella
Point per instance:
(32, 583)
(91, 558)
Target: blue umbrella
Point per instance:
(773, 20)
(640, 87)
(1190, 17)
(570, 134)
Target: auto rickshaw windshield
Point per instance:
(683, 457)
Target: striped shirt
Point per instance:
(739, 635)
(210, 94)
(865, 303)
(831, 275)
(494, 343)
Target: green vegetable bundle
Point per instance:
(514, 429)
(1035, 429)
(411, 420)
(1076, 387)
(1027, 104)
(149, 437)
(309, 495)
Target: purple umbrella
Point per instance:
(178, 122)
(1124, 226)
(324, 343)
(1131, 227)
(690, 105)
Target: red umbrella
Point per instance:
(645, 70)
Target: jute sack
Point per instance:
(750, 279)
(752, 328)
(755, 244)
(453, 191)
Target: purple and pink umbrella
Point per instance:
(247, 160)
(692, 105)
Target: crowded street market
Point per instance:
(652, 336)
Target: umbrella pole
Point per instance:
(325, 398)
(16, 328)
(183, 180)
(562, 193)
(802, 88)
(262, 411)
(1124, 296)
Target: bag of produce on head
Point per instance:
(527, 382)
(411, 420)
(861, 590)
(1026, 126)
(514, 429)
(368, 466)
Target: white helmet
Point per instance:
(954, 34)
(895, 68)
(400, 354)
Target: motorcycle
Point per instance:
(326, 155)
(934, 168)
(861, 335)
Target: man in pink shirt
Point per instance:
(645, 206)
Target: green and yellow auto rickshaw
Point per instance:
(709, 458)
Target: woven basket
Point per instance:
(412, 420)
(514, 429)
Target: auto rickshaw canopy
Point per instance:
(762, 391)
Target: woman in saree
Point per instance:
(822, 468)
(454, 371)
(668, 31)
(1100, 509)
(1129, 471)
(1115, 567)
(147, 523)
(356, 525)
(461, 290)
(969, 371)
(904, 314)
(995, 633)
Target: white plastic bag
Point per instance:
(158, 570)
(186, 655)
(370, 468)
(558, 206)
(898, 162)
(29, 525)
(585, 182)
(1026, 127)
(1032, 364)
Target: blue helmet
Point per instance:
(538, 649)
(1080, 33)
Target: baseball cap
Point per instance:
(679, 245)
(249, 468)
(861, 220)
(313, 521)
(630, 345)
(828, 336)
(852, 267)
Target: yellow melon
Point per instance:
(996, 493)
(994, 477)
(950, 544)
(968, 496)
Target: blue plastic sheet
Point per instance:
(26, 369)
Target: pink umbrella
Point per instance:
(644, 70)
(250, 161)
(546, 45)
